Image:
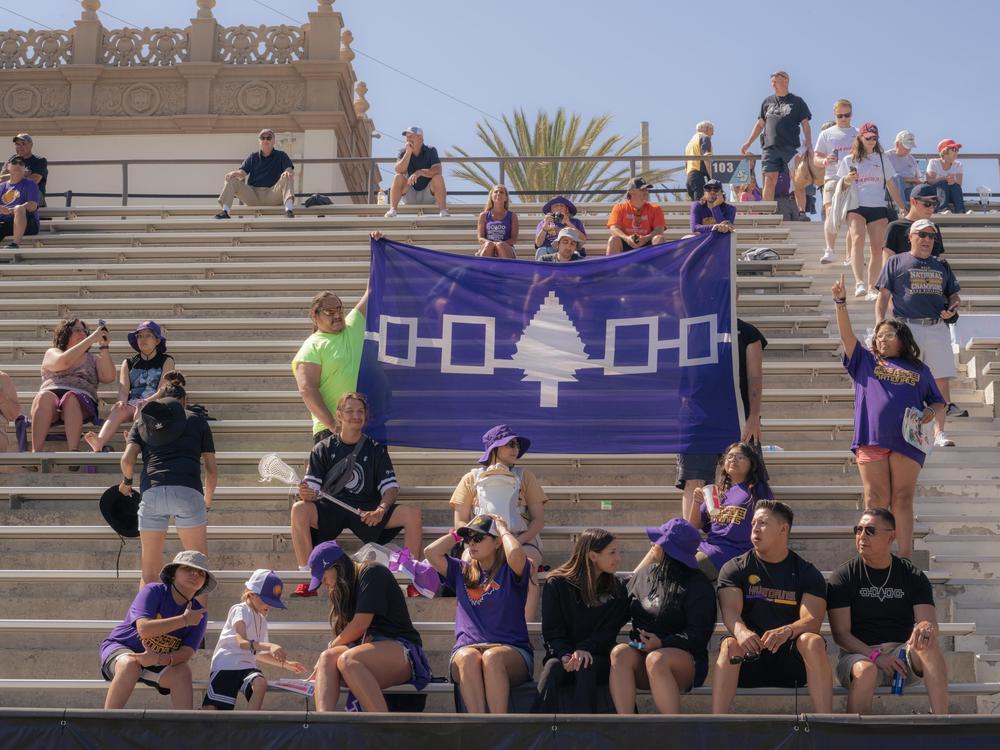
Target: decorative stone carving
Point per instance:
(257, 97)
(145, 47)
(23, 100)
(245, 45)
(139, 99)
(35, 49)
(346, 53)
(361, 104)
(90, 8)
(324, 6)
(205, 8)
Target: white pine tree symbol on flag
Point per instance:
(550, 350)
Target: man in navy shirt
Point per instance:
(18, 204)
(924, 294)
(36, 167)
(265, 178)
(418, 179)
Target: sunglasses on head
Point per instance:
(867, 530)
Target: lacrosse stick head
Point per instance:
(272, 467)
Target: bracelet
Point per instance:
(104, 347)
(875, 654)
(841, 301)
(126, 480)
(455, 535)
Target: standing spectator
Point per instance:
(558, 213)
(498, 228)
(19, 200)
(773, 603)
(871, 173)
(492, 652)
(418, 180)
(160, 633)
(946, 174)
(780, 117)
(356, 470)
(923, 201)
(924, 294)
(10, 411)
(326, 365)
(567, 247)
(833, 144)
(672, 607)
(36, 167)
(265, 178)
(907, 171)
(699, 169)
(70, 375)
(584, 605)
(879, 603)
(174, 444)
(887, 380)
(710, 212)
(635, 222)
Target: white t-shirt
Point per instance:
(870, 181)
(935, 166)
(228, 654)
(838, 142)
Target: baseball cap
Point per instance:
(948, 143)
(569, 233)
(479, 525)
(869, 128)
(413, 130)
(921, 224)
(715, 184)
(906, 138)
(321, 558)
(267, 585)
(638, 183)
(924, 192)
(22, 137)
(265, 131)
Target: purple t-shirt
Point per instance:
(490, 613)
(15, 194)
(729, 531)
(154, 602)
(550, 238)
(703, 217)
(883, 390)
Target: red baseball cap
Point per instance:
(948, 143)
(869, 128)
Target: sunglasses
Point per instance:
(925, 235)
(928, 203)
(330, 311)
(476, 538)
(713, 190)
(844, 116)
(267, 137)
(887, 336)
(867, 530)
(869, 138)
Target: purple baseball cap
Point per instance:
(678, 538)
(501, 435)
(267, 585)
(154, 328)
(322, 557)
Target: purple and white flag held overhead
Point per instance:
(624, 354)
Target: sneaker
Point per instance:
(860, 290)
(444, 213)
(827, 256)
(871, 296)
(391, 213)
(12, 245)
(941, 440)
(954, 410)
(803, 217)
(302, 591)
(289, 213)
(411, 591)
(944, 211)
(222, 215)
(847, 261)
(970, 211)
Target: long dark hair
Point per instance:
(344, 596)
(858, 149)
(62, 333)
(909, 351)
(594, 585)
(755, 476)
(669, 573)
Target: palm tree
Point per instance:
(557, 136)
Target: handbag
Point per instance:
(890, 205)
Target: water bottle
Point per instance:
(771, 449)
(381, 197)
(897, 678)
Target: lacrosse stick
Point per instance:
(272, 467)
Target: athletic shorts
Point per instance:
(871, 214)
(418, 197)
(869, 454)
(225, 684)
(782, 668)
(87, 405)
(332, 520)
(696, 466)
(778, 158)
(148, 676)
(847, 661)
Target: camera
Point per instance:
(558, 218)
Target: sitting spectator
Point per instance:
(711, 213)
(511, 492)
(10, 411)
(584, 605)
(699, 169)
(924, 294)
(492, 652)
(374, 644)
(907, 171)
(672, 607)
(750, 191)
(945, 174)
(867, 169)
(36, 168)
(725, 513)
(833, 144)
(356, 470)
(70, 375)
(418, 180)
(244, 643)
(265, 178)
(174, 444)
(773, 603)
(160, 633)
(888, 380)
(635, 222)
(923, 201)
(872, 623)
(140, 379)
(18, 206)
(559, 213)
(567, 246)
(498, 228)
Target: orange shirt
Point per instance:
(625, 217)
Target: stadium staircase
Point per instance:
(232, 298)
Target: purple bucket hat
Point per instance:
(501, 435)
(678, 538)
(321, 558)
(154, 328)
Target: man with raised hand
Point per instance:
(419, 179)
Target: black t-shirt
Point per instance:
(781, 116)
(897, 238)
(379, 595)
(144, 374)
(177, 464)
(265, 171)
(37, 165)
(426, 159)
(748, 334)
(879, 613)
(372, 476)
(772, 592)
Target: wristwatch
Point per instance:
(127, 480)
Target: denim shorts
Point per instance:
(185, 504)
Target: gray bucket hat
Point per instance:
(192, 559)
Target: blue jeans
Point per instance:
(904, 191)
(950, 196)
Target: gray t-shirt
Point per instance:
(905, 166)
(920, 287)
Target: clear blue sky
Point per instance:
(705, 60)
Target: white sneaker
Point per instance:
(941, 440)
(860, 290)
(444, 213)
(847, 262)
(827, 256)
(970, 211)
(944, 211)
(391, 213)
(871, 296)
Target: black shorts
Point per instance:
(871, 213)
(148, 676)
(777, 158)
(696, 466)
(696, 185)
(783, 668)
(332, 520)
(7, 225)
(225, 684)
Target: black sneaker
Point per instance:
(289, 213)
(12, 245)
(222, 215)
(954, 410)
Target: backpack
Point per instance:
(497, 492)
(760, 253)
